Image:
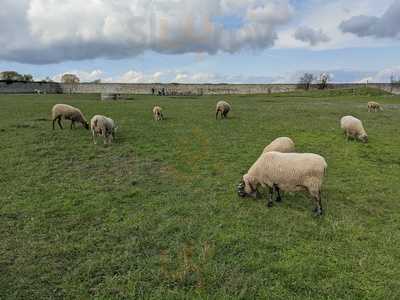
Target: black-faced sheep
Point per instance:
(288, 172)
(374, 106)
(157, 113)
(103, 126)
(223, 109)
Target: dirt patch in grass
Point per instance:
(41, 120)
(24, 126)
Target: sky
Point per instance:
(201, 41)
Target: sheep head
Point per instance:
(364, 138)
(247, 188)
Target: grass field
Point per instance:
(156, 215)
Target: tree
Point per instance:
(11, 76)
(27, 77)
(70, 78)
(323, 81)
(306, 80)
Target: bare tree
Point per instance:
(324, 78)
(306, 80)
(27, 77)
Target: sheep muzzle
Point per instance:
(240, 189)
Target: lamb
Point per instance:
(101, 125)
(68, 112)
(222, 108)
(157, 113)
(374, 106)
(353, 127)
(282, 144)
(289, 172)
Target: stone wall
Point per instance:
(29, 87)
(178, 89)
(169, 89)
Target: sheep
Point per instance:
(104, 126)
(157, 113)
(353, 127)
(282, 144)
(223, 108)
(289, 172)
(68, 112)
(374, 106)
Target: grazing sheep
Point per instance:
(353, 127)
(374, 106)
(157, 113)
(223, 108)
(282, 144)
(68, 112)
(103, 126)
(287, 172)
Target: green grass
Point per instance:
(156, 215)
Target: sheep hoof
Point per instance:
(278, 199)
(270, 204)
(318, 212)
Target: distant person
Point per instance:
(153, 91)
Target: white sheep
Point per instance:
(222, 108)
(289, 172)
(374, 106)
(68, 112)
(157, 113)
(353, 128)
(103, 126)
(281, 144)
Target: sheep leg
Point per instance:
(59, 123)
(278, 191)
(72, 124)
(105, 136)
(270, 197)
(94, 137)
(53, 124)
(318, 208)
(216, 115)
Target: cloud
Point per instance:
(327, 15)
(84, 76)
(383, 76)
(386, 26)
(181, 76)
(43, 31)
(311, 36)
